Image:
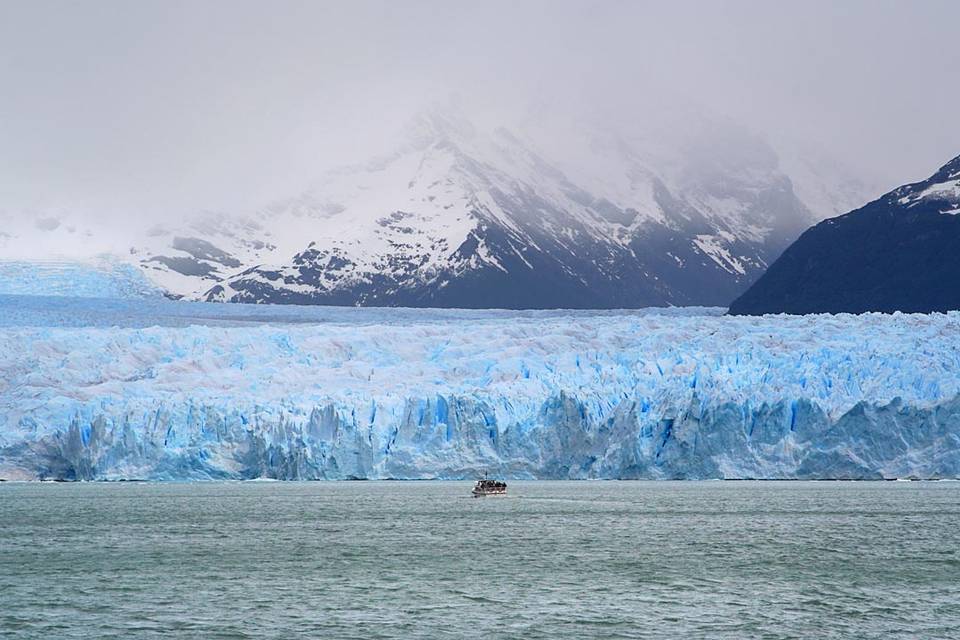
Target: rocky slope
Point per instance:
(898, 253)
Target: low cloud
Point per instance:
(158, 108)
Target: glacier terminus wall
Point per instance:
(96, 389)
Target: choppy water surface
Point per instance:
(423, 560)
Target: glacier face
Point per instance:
(173, 390)
(91, 278)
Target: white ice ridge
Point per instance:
(362, 393)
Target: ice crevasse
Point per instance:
(364, 394)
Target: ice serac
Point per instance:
(368, 393)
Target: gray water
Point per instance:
(424, 560)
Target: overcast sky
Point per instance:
(153, 106)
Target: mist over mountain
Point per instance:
(159, 109)
(621, 154)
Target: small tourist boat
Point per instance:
(487, 487)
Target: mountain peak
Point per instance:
(439, 124)
(460, 217)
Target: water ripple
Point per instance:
(556, 559)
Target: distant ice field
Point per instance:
(156, 389)
(76, 311)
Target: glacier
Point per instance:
(102, 277)
(111, 389)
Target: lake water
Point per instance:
(424, 560)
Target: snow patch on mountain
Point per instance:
(712, 247)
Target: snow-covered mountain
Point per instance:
(460, 217)
(897, 253)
